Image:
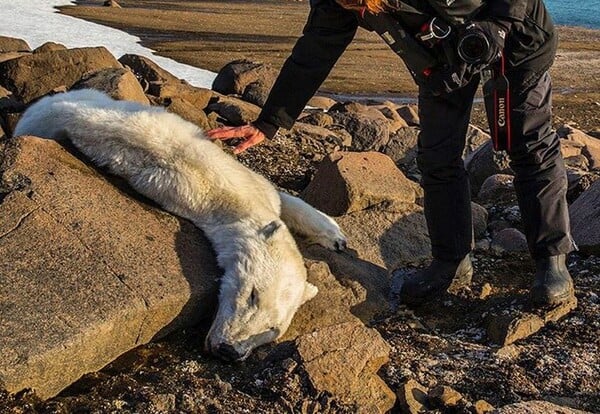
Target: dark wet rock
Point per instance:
(497, 189)
(507, 241)
(410, 114)
(585, 225)
(480, 220)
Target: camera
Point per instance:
(473, 46)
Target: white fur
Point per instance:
(170, 161)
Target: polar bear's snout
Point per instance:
(259, 297)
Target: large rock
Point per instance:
(49, 47)
(11, 44)
(199, 97)
(36, 75)
(350, 181)
(480, 220)
(536, 407)
(387, 237)
(410, 114)
(585, 222)
(370, 284)
(235, 77)
(321, 102)
(497, 189)
(591, 148)
(151, 76)
(402, 147)
(87, 271)
(485, 162)
(343, 360)
(12, 55)
(412, 397)
(570, 148)
(332, 305)
(508, 240)
(119, 83)
(508, 326)
(236, 111)
(370, 130)
(190, 113)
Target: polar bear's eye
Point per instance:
(254, 297)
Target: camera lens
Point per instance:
(473, 47)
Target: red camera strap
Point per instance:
(501, 130)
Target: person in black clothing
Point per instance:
(520, 34)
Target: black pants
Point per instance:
(540, 176)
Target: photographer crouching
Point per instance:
(448, 46)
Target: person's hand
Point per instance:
(250, 134)
(447, 79)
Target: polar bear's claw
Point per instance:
(340, 245)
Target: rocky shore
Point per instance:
(82, 294)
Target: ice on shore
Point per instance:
(37, 22)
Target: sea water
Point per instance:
(584, 13)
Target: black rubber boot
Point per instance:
(553, 284)
(436, 279)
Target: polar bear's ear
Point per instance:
(270, 229)
(310, 291)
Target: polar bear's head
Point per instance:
(263, 286)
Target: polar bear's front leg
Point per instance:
(307, 221)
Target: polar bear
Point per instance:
(170, 161)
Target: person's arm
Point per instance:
(329, 30)
(460, 11)
(506, 10)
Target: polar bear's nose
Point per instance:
(227, 352)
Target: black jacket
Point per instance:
(530, 45)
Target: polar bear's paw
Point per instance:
(330, 236)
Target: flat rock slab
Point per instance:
(343, 359)
(505, 328)
(86, 272)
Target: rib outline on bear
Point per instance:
(170, 161)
